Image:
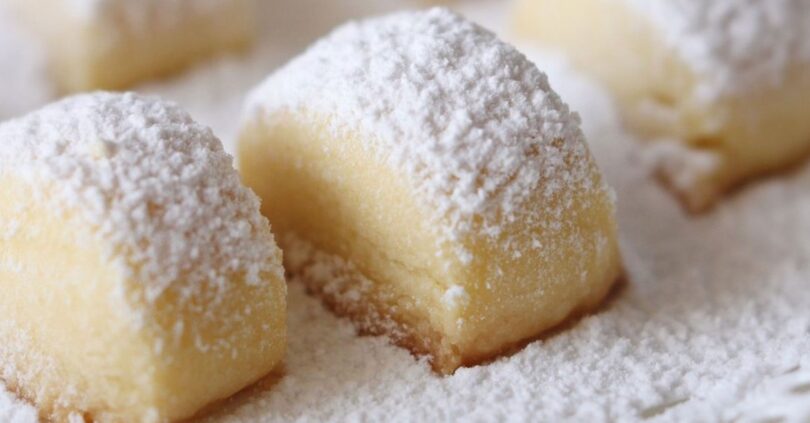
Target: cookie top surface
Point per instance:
(733, 45)
(157, 188)
(468, 119)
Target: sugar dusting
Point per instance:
(156, 187)
(734, 45)
(468, 120)
(13, 410)
(712, 327)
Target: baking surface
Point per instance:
(713, 325)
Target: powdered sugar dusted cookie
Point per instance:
(427, 182)
(112, 44)
(721, 86)
(139, 280)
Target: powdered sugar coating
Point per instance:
(466, 118)
(689, 276)
(733, 45)
(155, 186)
(13, 410)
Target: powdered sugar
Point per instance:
(14, 411)
(155, 186)
(734, 45)
(455, 296)
(785, 398)
(469, 121)
(713, 325)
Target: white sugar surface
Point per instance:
(734, 45)
(713, 325)
(117, 157)
(13, 410)
(468, 120)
